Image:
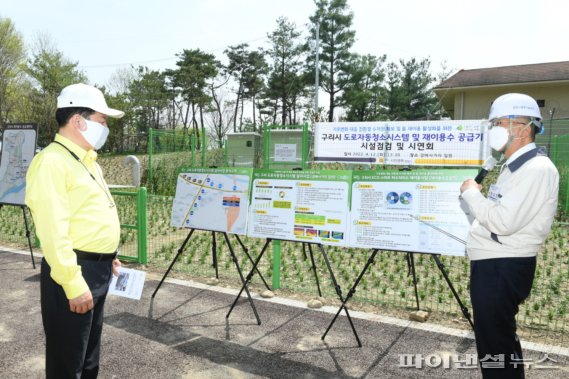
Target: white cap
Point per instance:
(85, 96)
(514, 104)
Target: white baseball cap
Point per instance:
(85, 96)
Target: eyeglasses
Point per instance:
(507, 122)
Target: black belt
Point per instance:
(86, 255)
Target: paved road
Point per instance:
(183, 333)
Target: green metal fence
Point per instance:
(131, 206)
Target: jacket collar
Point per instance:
(526, 156)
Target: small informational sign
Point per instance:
(212, 199)
(129, 283)
(18, 149)
(304, 206)
(417, 211)
(417, 143)
(285, 152)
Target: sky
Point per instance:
(105, 35)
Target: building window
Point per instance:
(541, 103)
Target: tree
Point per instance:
(195, 68)
(334, 19)
(50, 72)
(247, 68)
(238, 61)
(220, 115)
(364, 90)
(254, 83)
(409, 91)
(285, 81)
(148, 97)
(12, 55)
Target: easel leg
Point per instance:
(246, 251)
(180, 250)
(411, 265)
(462, 307)
(214, 253)
(314, 268)
(339, 293)
(304, 251)
(28, 237)
(248, 278)
(242, 280)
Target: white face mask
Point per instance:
(499, 138)
(96, 134)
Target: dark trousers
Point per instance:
(73, 340)
(497, 288)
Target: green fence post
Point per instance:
(150, 152)
(567, 197)
(265, 147)
(193, 144)
(554, 152)
(204, 150)
(276, 265)
(226, 159)
(141, 225)
(305, 144)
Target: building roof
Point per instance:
(528, 73)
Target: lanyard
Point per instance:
(111, 204)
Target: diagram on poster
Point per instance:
(300, 206)
(18, 149)
(403, 210)
(212, 199)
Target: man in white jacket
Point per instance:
(510, 226)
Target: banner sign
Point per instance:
(305, 206)
(417, 143)
(418, 211)
(212, 199)
(18, 149)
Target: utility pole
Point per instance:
(316, 72)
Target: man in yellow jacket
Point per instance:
(77, 222)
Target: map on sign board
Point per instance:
(212, 199)
(417, 211)
(18, 149)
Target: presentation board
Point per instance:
(415, 211)
(212, 199)
(402, 210)
(304, 206)
(18, 149)
(416, 143)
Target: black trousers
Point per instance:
(497, 287)
(73, 340)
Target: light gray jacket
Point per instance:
(518, 221)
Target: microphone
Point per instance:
(486, 168)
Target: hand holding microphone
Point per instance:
(486, 168)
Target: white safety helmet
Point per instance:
(514, 104)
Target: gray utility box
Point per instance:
(243, 149)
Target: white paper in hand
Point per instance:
(129, 283)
